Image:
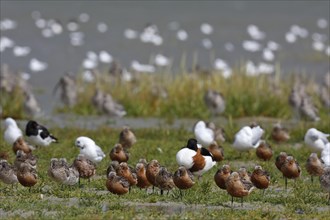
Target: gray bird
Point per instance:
(215, 102)
(112, 108)
(325, 180)
(7, 173)
(68, 89)
(31, 106)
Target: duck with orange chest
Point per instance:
(20, 144)
(216, 151)
(85, 167)
(183, 179)
(290, 169)
(260, 178)
(197, 160)
(117, 184)
(236, 187)
(152, 171)
(222, 175)
(27, 176)
(314, 166)
(264, 151)
(119, 154)
(125, 171)
(280, 160)
(142, 180)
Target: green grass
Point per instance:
(302, 200)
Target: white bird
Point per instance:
(161, 60)
(105, 57)
(89, 149)
(130, 34)
(315, 139)
(12, 132)
(37, 65)
(325, 155)
(248, 138)
(38, 135)
(182, 35)
(203, 134)
(21, 51)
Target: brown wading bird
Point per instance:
(20, 144)
(62, 173)
(260, 178)
(216, 151)
(124, 171)
(117, 184)
(27, 176)
(221, 176)
(314, 166)
(85, 167)
(325, 180)
(142, 180)
(264, 151)
(112, 167)
(127, 138)
(164, 180)
(28, 159)
(183, 179)
(280, 160)
(280, 134)
(244, 174)
(119, 154)
(290, 169)
(236, 187)
(152, 171)
(7, 173)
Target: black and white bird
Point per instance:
(38, 135)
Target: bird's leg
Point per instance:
(263, 192)
(168, 191)
(161, 192)
(312, 178)
(241, 201)
(129, 189)
(180, 193)
(286, 183)
(232, 201)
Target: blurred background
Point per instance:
(45, 39)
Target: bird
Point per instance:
(97, 99)
(325, 180)
(30, 105)
(12, 131)
(113, 166)
(244, 174)
(89, 149)
(290, 169)
(142, 180)
(325, 154)
(56, 170)
(203, 134)
(216, 151)
(215, 102)
(315, 139)
(85, 167)
(23, 159)
(20, 144)
(112, 108)
(264, 151)
(27, 176)
(219, 132)
(183, 179)
(152, 170)
(117, 184)
(280, 134)
(119, 154)
(236, 187)
(164, 180)
(260, 178)
(127, 138)
(314, 166)
(221, 176)
(197, 160)
(125, 171)
(68, 89)
(38, 135)
(248, 138)
(280, 160)
(8, 173)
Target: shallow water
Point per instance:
(229, 20)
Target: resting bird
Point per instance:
(12, 132)
(215, 102)
(89, 149)
(315, 139)
(325, 154)
(38, 135)
(248, 138)
(203, 134)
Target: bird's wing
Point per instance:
(99, 151)
(323, 137)
(257, 132)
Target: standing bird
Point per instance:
(314, 166)
(260, 178)
(27, 176)
(216, 151)
(315, 139)
(196, 160)
(219, 133)
(113, 166)
(117, 184)
(125, 171)
(325, 154)
(215, 102)
(38, 135)
(183, 179)
(203, 134)
(23, 159)
(142, 180)
(164, 180)
(236, 187)
(111, 107)
(280, 160)
(290, 169)
(264, 151)
(57, 170)
(221, 176)
(97, 99)
(248, 138)
(12, 131)
(127, 138)
(85, 167)
(7, 173)
(89, 149)
(325, 180)
(20, 144)
(244, 174)
(280, 134)
(31, 106)
(152, 171)
(68, 90)
(119, 154)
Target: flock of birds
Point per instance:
(199, 155)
